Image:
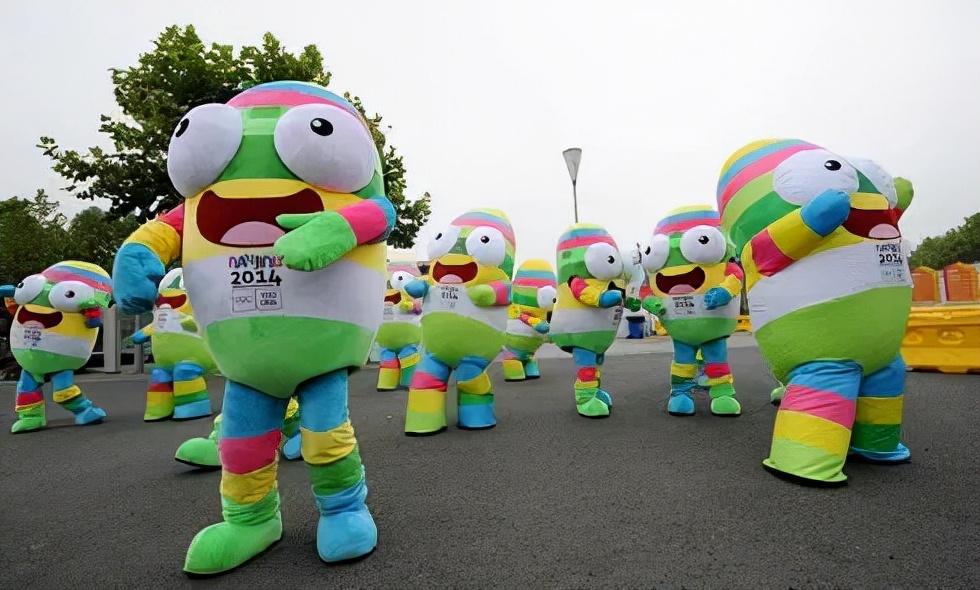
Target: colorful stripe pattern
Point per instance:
(83, 272)
(572, 245)
(682, 219)
(290, 94)
(494, 218)
(531, 276)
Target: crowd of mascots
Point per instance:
(285, 288)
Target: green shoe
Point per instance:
(199, 452)
(592, 408)
(776, 397)
(28, 424)
(726, 406)
(225, 546)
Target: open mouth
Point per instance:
(681, 284)
(395, 298)
(878, 224)
(174, 302)
(449, 274)
(548, 317)
(250, 222)
(47, 320)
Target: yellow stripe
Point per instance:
(322, 448)
(793, 237)
(812, 431)
(712, 381)
(586, 384)
(478, 385)
(679, 370)
(66, 394)
(291, 408)
(751, 147)
(195, 385)
(426, 400)
(879, 410)
(159, 237)
(750, 194)
(249, 488)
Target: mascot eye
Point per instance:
(69, 295)
(653, 255)
(327, 147)
(804, 175)
(547, 297)
(882, 180)
(487, 245)
(602, 261)
(28, 289)
(399, 279)
(443, 242)
(703, 244)
(205, 141)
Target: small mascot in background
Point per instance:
(532, 301)
(57, 315)
(400, 332)
(178, 388)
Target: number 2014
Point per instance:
(248, 277)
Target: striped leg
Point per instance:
(389, 371)
(191, 397)
(877, 433)
(408, 358)
(587, 400)
(346, 529)
(71, 398)
(201, 452)
(29, 404)
(813, 424)
(602, 394)
(249, 451)
(426, 413)
(719, 378)
(513, 365)
(474, 395)
(159, 395)
(291, 441)
(682, 374)
(531, 370)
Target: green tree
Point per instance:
(961, 244)
(95, 236)
(33, 235)
(180, 73)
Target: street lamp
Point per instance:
(572, 158)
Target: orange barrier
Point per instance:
(943, 338)
(925, 285)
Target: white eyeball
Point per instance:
(487, 246)
(203, 144)
(28, 289)
(547, 297)
(806, 174)
(399, 279)
(172, 280)
(443, 242)
(653, 254)
(327, 147)
(882, 180)
(703, 244)
(603, 262)
(69, 295)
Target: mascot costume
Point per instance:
(57, 315)
(591, 287)
(400, 332)
(533, 299)
(177, 384)
(464, 317)
(203, 452)
(281, 236)
(697, 290)
(829, 294)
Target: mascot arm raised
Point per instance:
(141, 261)
(417, 288)
(654, 305)
(729, 289)
(317, 240)
(492, 294)
(588, 293)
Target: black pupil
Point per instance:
(20, 285)
(704, 239)
(321, 127)
(182, 127)
(647, 251)
(611, 260)
(70, 294)
(832, 165)
(439, 236)
(485, 239)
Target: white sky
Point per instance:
(484, 96)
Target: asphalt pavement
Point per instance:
(547, 499)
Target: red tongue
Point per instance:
(252, 233)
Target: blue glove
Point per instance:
(826, 212)
(136, 273)
(716, 297)
(417, 288)
(610, 299)
(7, 291)
(140, 337)
(542, 327)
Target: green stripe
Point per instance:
(251, 514)
(803, 460)
(470, 399)
(757, 217)
(876, 437)
(337, 476)
(189, 398)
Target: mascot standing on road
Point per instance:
(829, 294)
(281, 236)
(532, 301)
(400, 333)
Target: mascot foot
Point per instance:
(156, 415)
(225, 546)
(346, 535)
(776, 397)
(424, 423)
(199, 452)
(836, 481)
(90, 415)
(293, 449)
(29, 424)
(193, 410)
(593, 408)
(476, 416)
(900, 455)
(604, 396)
(680, 405)
(726, 406)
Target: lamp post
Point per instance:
(572, 158)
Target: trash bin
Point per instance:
(636, 324)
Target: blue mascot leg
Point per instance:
(682, 372)
(389, 371)
(589, 401)
(531, 369)
(474, 395)
(877, 432)
(719, 379)
(346, 529)
(71, 398)
(191, 397)
(159, 395)
(408, 359)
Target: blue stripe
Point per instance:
(246, 412)
(751, 157)
(536, 274)
(92, 276)
(840, 377)
(706, 214)
(323, 401)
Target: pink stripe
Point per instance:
(480, 222)
(367, 220)
(758, 168)
(682, 226)
(585, 241)
(534, 283)
(60, 275)
(503, 292)
(715, 370)
(390, 364)
(577, 286)
(824, 404)
(276, 98)
(423, 380)
(245, 455)
(768, 258)
(735, 270)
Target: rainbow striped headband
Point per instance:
(487, 218)
(83, 272)
(684, 218)
(752, 161)
(584, 236)
(291, 94)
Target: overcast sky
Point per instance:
(484, 96)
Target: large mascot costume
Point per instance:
(829, 295)
(282, 241)
(57, 315)
(464, 317)
(203, 452)
(591, 287)
(400, 332)
(532, 301)
(697, 290)
(177, 384)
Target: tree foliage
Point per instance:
(961, 244)
(180, 73)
